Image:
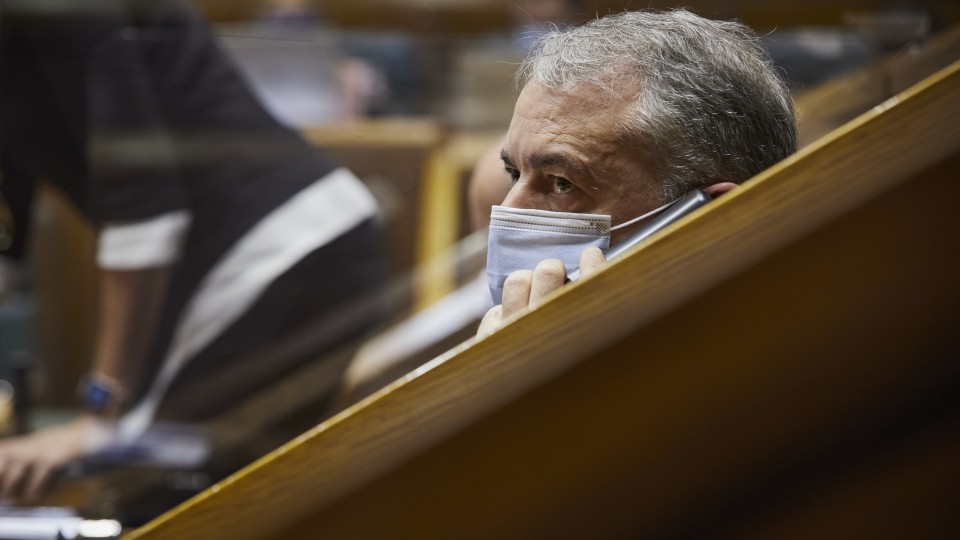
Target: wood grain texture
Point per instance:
(342, 478)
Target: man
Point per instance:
(615, 119)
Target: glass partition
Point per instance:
(239, 218)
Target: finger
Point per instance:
(548, 276)
(591, 261)
(37, 484)
(491, 321)
(516, 293)
(12, 477)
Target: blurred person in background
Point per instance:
(290, 15)
(220, 231)
(363, 88)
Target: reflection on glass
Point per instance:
(266, 193)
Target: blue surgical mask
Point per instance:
(520, 238)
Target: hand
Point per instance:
(524, 290)
(28, 463)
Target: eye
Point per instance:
(514, 174)
(561, 185)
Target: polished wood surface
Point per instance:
(796, 337)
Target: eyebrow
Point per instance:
(542, 161)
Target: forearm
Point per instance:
(130, 302)
(134, 260)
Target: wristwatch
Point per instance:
(101, 395)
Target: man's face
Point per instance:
(564, 155)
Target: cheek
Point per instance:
(633, 194)
(617, 236)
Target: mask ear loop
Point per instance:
(645, 216)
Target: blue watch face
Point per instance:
(98, 396)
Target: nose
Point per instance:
(518, 196)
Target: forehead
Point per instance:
(583, 113)
(581, 125)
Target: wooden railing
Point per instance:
(781, 363)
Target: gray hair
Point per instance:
(710, 107)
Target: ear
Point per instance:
(716, 190)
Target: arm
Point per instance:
(130, 302)
(134, 259)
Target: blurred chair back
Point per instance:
(64, 283)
